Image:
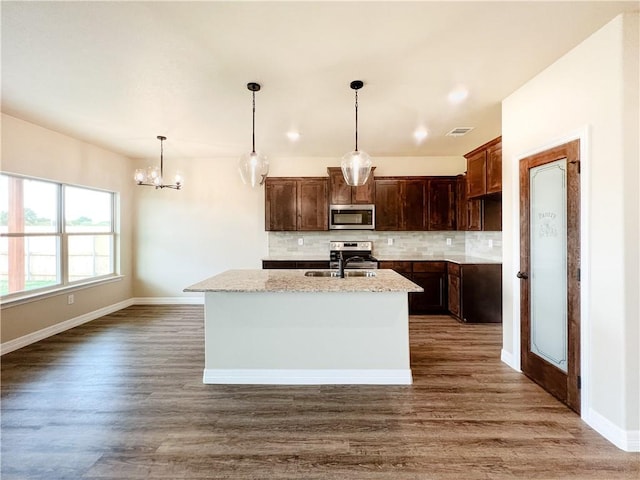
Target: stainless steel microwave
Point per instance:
(352, 217)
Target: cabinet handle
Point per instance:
(522, 275)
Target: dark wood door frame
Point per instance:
(565, 387)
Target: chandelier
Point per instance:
(154, 176)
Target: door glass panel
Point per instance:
(548, 275)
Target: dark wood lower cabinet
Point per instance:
(475, 292)
(453, 290)
(429, 275)
(470, 292)
(432, 277)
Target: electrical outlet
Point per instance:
(448, 241)
(301, 241)
(389, 241)
(490, 243)
(70, 299)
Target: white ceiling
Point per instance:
(119, 73)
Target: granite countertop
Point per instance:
(417, 257)
(403, 257)
(295, 281)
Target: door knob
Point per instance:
(522, 275)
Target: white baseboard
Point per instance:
(307, 376)
(36, 336)
(627, 440)
(169, 300)
(507, 357)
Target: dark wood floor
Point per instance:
(122, 398)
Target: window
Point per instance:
(53, 235)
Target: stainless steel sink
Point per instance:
(335, 274)
(320, 273)
(360, 273)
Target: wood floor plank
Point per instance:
(122, 398)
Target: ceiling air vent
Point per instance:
(459, 131)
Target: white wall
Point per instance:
(216, 222)
(592, 93)
(28, 149)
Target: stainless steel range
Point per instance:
(354, 255)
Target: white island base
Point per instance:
(307, 338)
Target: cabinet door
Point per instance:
(388, 204)
(494, 169)
(413, 205)
(453, 294)
(433, 299)
(280, 204)
(461, 202)
(339, 191)
(441, 204)
(481, 288)
(477, 174)
(431, 276)
(475, 213)
(313, 214)
(366, 194)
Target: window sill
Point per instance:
(34, 297)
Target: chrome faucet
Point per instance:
(342, 263)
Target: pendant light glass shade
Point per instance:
(356, 165)
(356, 168)
(254, 166)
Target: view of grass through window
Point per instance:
(39, 220)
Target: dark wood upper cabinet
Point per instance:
(399, 203)
(415, 203)
(441, 204)
(477, 174)
(281, 197)
(484, 169)
(313, 210)
(342, 194)
(295, 204)
(388, 204)
(494, 169)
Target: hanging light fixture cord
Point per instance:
(253, 124)
(356, 120)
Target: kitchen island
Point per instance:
(282, 327)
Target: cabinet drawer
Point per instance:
(277, 264)
(400, 267)
(453, 269)
(313, 264)
(429, 267)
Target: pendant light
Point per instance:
(154, 177)
(356, 165)
(253, 166)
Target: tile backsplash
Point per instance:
(316, 244)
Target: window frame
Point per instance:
(62, 236)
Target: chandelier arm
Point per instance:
(161, 159)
